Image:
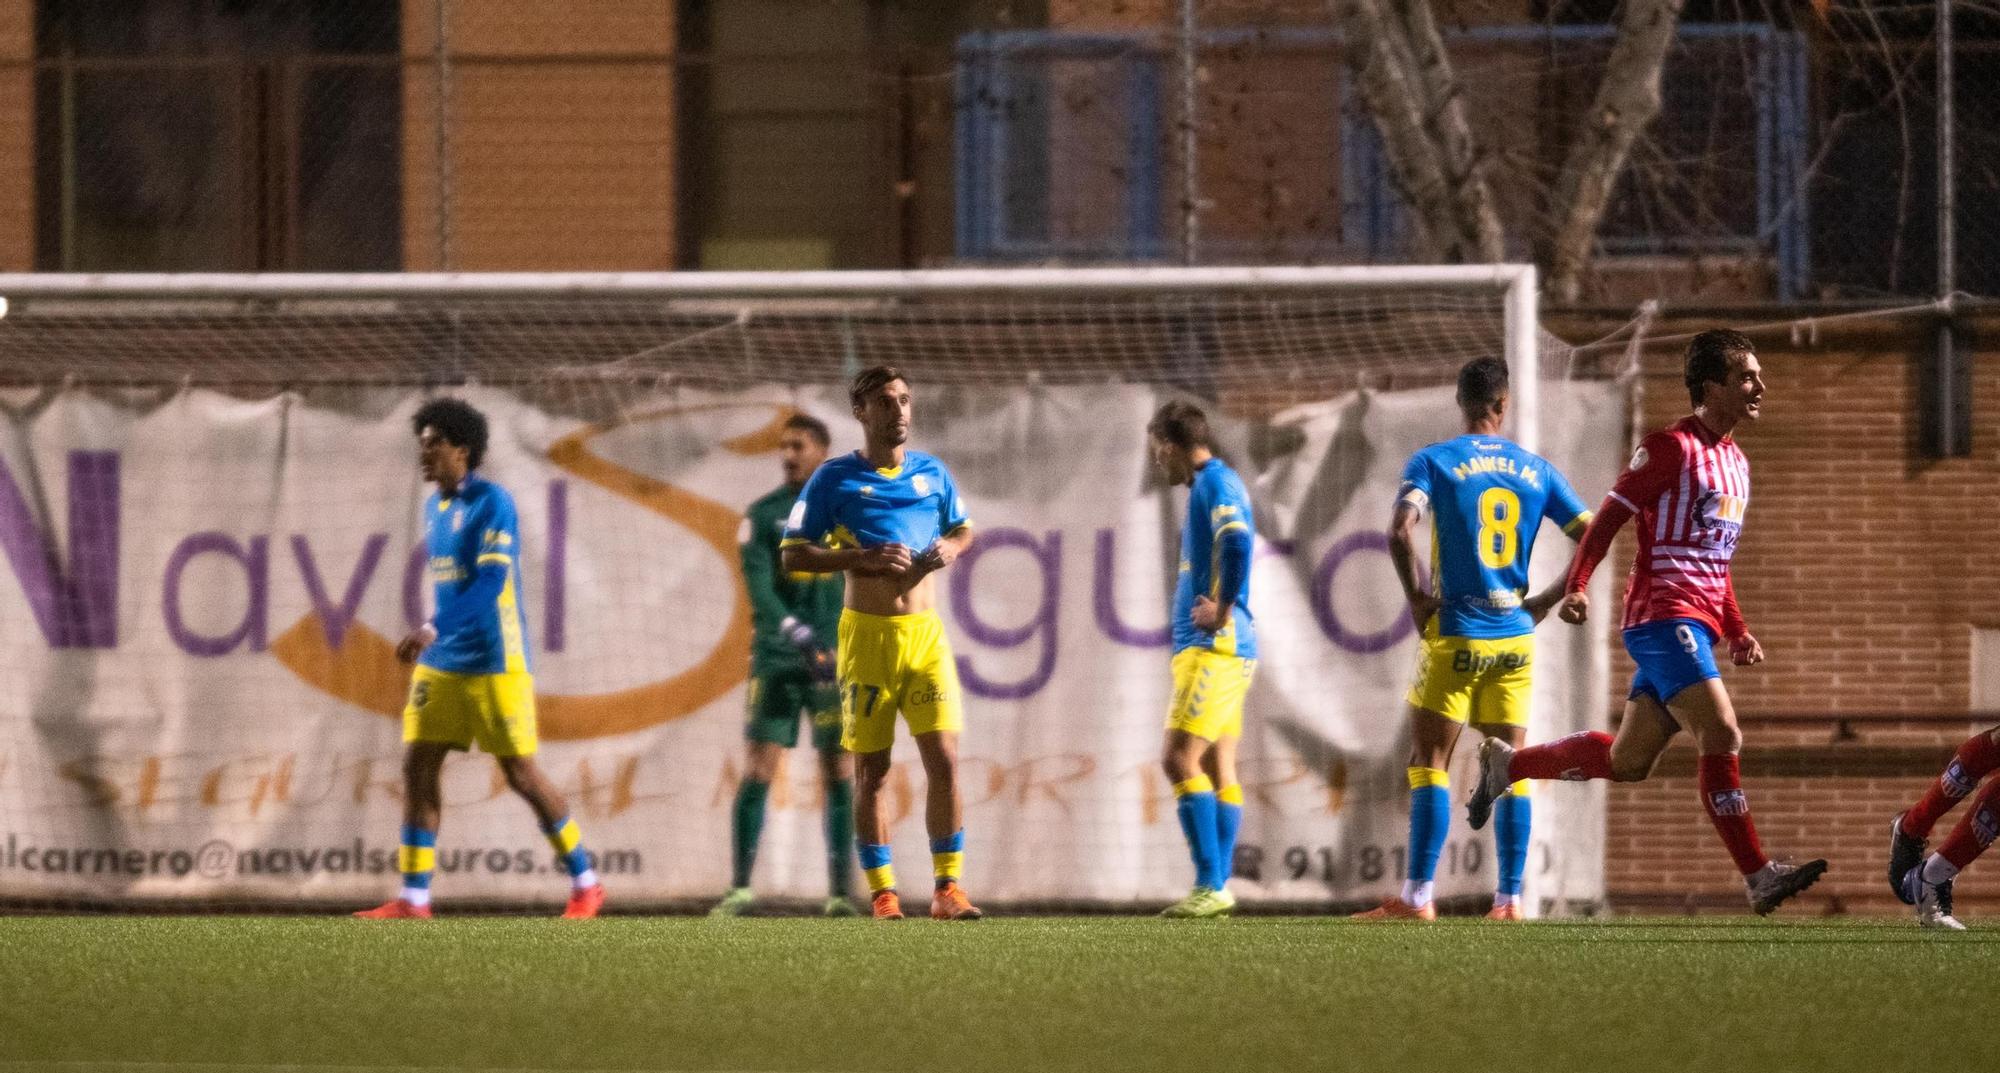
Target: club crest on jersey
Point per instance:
(922, 484)
(1728, 803)
(1985, 826)
(457, 520)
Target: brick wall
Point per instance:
(562, 130)
(17, 136)
(1863, 570)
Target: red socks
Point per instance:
(1577, 758)
(1974, 760)
(1975, 830)
(1722, 795)
(1588, 756)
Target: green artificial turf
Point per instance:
(1030, 994)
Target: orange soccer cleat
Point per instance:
(1510, 911)
(396, 910)
(887, 906)
(950, 903)
(584, 904)
(1398, 909)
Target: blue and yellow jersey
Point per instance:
(1487, 498)
(475, 528)
(1218, 504)
(848, 503)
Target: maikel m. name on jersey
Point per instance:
(475, 528)
(1218, 504)
(1487, 497)
(849, 503)
(1690, 490)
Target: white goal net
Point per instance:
(209, 513)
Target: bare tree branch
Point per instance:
(1407, 85)
(1627, 99)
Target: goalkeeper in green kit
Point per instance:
(791, 674)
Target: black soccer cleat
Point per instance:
(1905, 853)
(1783, 883)
(1494, 758)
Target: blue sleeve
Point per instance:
(1416, 479)
(1227, 503)
(812, 516)
(1233, 561)
(1563, 507)
(951, 505)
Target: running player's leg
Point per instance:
(1975, 759)
(1513, 823)
(1928, 885)
(1705, 709)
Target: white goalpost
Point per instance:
(208, 502)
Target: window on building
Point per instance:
(222, 135)
(818, 132)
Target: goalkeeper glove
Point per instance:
(800, 635)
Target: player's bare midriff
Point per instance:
(876, 595)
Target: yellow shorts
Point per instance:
(1209, 689)
(1469, 679)
(495, 710)
(892, 663)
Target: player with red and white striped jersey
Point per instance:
(1688, 487)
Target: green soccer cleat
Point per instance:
(734, 904)
(838, 906)
(1201, 903)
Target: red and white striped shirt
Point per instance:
(1689, 490)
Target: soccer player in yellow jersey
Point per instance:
(1215, 652)
(472, 682)
(890, 518)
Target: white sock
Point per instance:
(584, 879)
(1416, 894)
(416, 895)
(1502, 901)
(1938, 870)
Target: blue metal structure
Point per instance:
(1003, 126)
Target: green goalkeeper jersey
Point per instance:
(775, 595)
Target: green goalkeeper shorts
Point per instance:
(778, 700)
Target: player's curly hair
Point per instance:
(1182, 424)
(811, 426)
(871, 379)
(1708, 357)
(1481, 383)
(458, 423)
